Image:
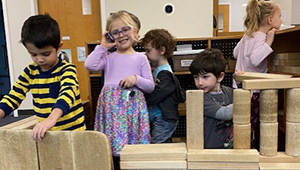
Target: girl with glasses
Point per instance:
(122, 111)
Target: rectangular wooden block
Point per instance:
(194, 119)
(223, 155)
(17, 150)
(279, 166)
(271, 84)
(286, 62)
(153, 165)
(223, 165)
(281, 157)
(18, 123)
(55, 151)
(286, 56)
(27, 125)
(154, 152)
(251, 76)
(91, 150)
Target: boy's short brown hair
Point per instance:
(209, 61)
(160, 38)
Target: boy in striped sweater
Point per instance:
(53, 81)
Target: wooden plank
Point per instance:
(55, 151)
(279, 166)
(20, 122)
(194, 119)
(17, 150)
(153, 165)
(223, 155)
(27, 125)
(223, 166)
(91, 150)
(252, 75)
(281, 157)
(292, 139)
(154, 152)
(271, 84)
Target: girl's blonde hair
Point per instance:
(257, 12)
(128, 18)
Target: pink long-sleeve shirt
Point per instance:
(251, 53)
(119, 66)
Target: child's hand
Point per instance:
(270, 36)
(105, 43)
(128, 81)
(2, 114)
(237, 72)
(41, 128)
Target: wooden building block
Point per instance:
(194, 119)
(155, 165)
(27, 125)
(268, 139)
(154, 152)
(292, 143)
(17, 150)
(293, 105)
(91, 150)
(18, 123)
(241, 106)
(279, 166)
(281, 157)
(223, 155)
(223, 165)
(242, 136)
(268, 108)
(55, 151)
(252, 75)
(286, 62)
(286, 56)
(271, 84)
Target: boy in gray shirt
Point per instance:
(208, 69)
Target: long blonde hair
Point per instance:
(128, 18)
(257, 12)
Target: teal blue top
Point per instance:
(154, 111)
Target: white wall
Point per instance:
(295, 12)
(236, 14)
(286, 10)
(192, 18)
(15, 13)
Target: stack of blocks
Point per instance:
(154, 156)
(210, 159)
(286, 62)
(270, 159)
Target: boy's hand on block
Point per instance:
(2, 114)
(41, 128)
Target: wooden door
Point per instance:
(223, 18)
(80, 28)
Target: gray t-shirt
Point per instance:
(218, 110)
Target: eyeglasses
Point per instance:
(124, 31)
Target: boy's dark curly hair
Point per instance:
(160, 38)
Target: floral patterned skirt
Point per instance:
(123, 116)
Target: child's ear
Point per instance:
(269, 20)
(59, 46)
(221, 77)
(162, 50)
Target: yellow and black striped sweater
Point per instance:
(56, 88)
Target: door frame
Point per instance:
(33, 11)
